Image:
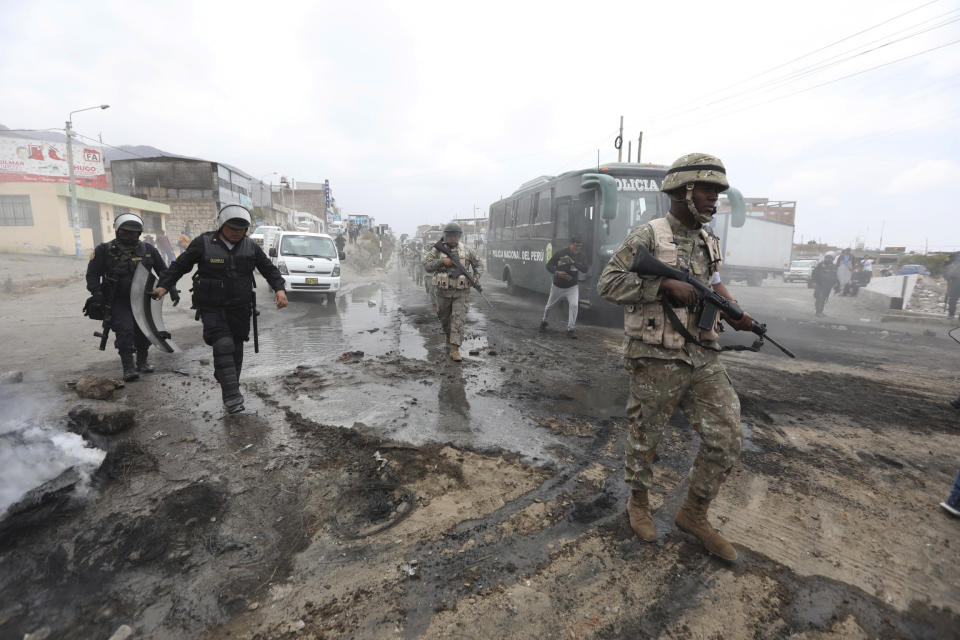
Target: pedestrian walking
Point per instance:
(824, 278)
(341, 242)
(567, 266)
(867, 270)
(163, 244)
(183, 241)
(670, 368)
(951, 272)
(109, 277)
(223, 292)
(451, 288)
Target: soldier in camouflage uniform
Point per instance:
(670, 368)
(451, 289)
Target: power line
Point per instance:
(823, 84)
(2, 131)
(832, 44)
(101, 142)
(831, 62)
(819, 66)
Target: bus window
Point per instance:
(498, 218)
(522, 216)
(542, 218)
(562, 221)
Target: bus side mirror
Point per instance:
(738, 207)
(607, 187)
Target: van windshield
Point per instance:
(307, 246)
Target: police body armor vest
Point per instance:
(450, 277)
(647, 322)
(119, 269)
(224, 278)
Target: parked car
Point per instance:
(308, 262)
(909, 269)
(800, 270)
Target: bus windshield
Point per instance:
(635, 208)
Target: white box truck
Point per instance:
(762, 247)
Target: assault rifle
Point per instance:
(442, 248)
(710, 302)
(110, 286)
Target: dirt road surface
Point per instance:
(395, 494)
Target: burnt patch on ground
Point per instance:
(869, 403)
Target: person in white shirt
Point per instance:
(868, 269)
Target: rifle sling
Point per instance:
(682, 330)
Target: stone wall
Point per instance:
(199, 213)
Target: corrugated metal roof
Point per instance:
(116, 199)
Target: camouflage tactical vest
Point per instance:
(647, 322)
(450, 277)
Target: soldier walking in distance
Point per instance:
(669, 367)
(451, 289)
(223, 292)
(824, 278)
(109, 276)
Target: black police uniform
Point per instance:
(223, 296)
(109, 275)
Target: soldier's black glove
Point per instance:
(175, 296)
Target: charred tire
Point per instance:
(371, 508)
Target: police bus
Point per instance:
(599, 206)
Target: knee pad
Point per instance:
(223, 346)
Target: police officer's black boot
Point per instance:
(143, 366)
(129, 369)
(225, 370)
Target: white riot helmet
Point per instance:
(128, 222)
(236, 215)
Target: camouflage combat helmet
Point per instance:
(695, 167)
(452, 227)
(690, 169)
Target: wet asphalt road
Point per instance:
(490, 400)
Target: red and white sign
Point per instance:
(25, 160)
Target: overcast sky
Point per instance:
(417, 112)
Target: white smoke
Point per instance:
(35, 448)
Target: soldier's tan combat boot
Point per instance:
(454, 350)
(638, 510)
(692, 518)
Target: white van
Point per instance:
(308, 262)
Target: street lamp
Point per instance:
(74, 210)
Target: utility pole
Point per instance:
(883, 224)
(639, 144)
(629, 150)
(620, 142)
(74, 209)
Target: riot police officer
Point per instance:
(109, 275)
(223, 292)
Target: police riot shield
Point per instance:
(148, 312)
